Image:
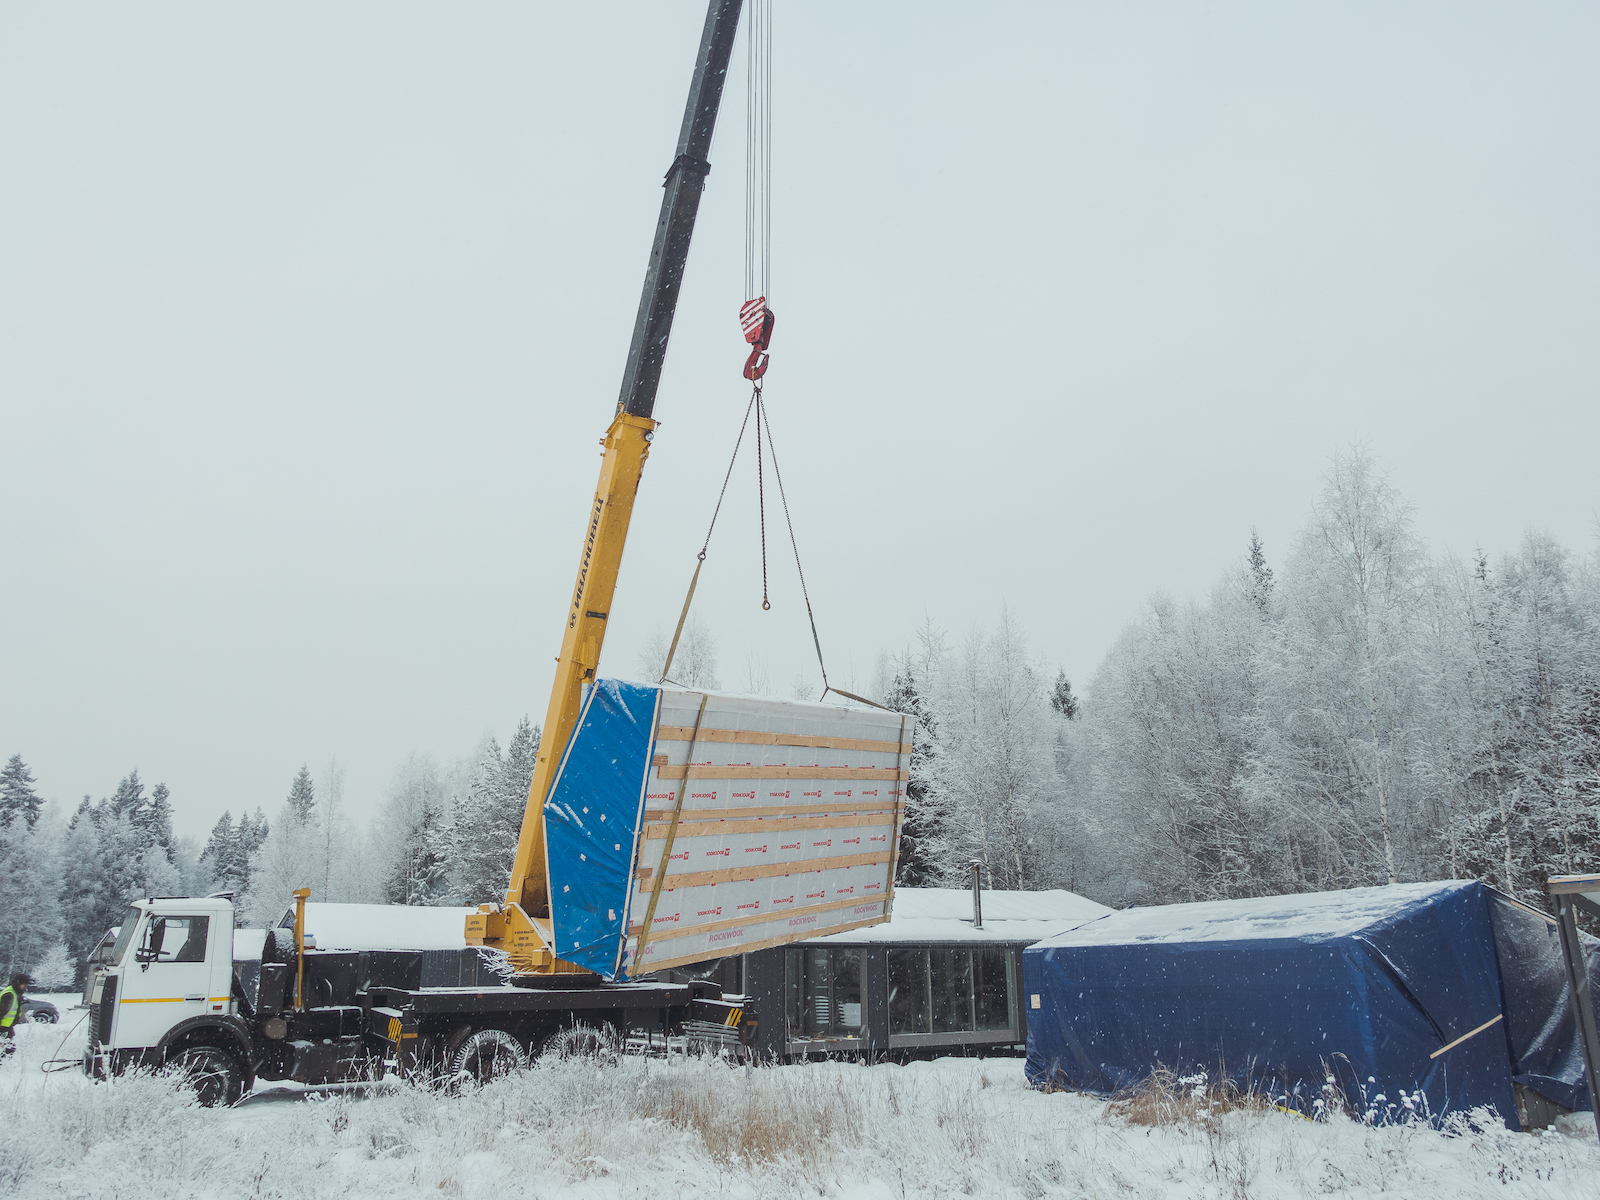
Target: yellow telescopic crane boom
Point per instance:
(522, 928)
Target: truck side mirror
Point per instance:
(150, 949)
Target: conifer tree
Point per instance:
(129, 796)
(81, 885)
(251, 834)
(483, 839)
(302, 796)
(921, 829)
(221, 855)
(153, 820)
(16, 792)
(1061, 697)
(1260, 575)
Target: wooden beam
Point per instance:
(1470, 1033)
(745, 737)
(787, 810)
(764, 944)
(755, 772)
(778, 828)
(812, 867)
(678, 931)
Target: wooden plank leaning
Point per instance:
(672, 833)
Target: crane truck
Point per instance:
(169, 994)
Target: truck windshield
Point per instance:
(130, 922)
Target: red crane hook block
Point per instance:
(756, 319)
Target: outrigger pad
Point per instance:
(783, 824)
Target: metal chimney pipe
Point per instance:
(977, 894)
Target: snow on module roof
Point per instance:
(1308, 915)
(945, 915)
(383, 926)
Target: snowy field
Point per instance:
(660, 1130)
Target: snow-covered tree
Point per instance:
(31, 918)
(916, 864)
(302, 796)
(17, 797)
(152, 819)
(993, 778)
(1340, 680)
(55, 972)
(483, 837)
(1061, 697)
(694, 663)
(414, 825)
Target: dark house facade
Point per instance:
(928, 980)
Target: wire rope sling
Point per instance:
(756, 321)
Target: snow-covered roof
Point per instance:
(384, 926)
(920, 915)
(945, 915)
(1305, 915)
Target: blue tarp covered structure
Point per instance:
(1432, 998)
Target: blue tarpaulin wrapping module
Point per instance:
(1407, 995)
(590, 817)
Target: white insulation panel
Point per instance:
(787, 824)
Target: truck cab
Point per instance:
(164, 995)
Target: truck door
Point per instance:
(169, 978)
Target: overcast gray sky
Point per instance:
(310, 316)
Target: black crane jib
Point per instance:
(684, 181)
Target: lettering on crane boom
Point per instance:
(588, 555)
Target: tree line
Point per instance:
(1369, 713)
(1365, 713)
(445, 834)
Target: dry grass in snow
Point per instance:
(655, 1129)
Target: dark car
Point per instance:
(40, 1012)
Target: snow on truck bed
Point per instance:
(374, 927)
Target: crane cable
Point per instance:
(756, 320)
(763, 426)
(755, 315)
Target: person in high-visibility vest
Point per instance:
(10, 1009)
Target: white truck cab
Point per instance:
(164, 993)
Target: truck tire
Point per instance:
(214, 1075)
(485, 1055)
(600, 1045)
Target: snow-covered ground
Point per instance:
(661, 1130)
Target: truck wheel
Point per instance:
(583, 1041)
(485, 1055)
(213, 1074)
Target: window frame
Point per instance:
(1010, 1035)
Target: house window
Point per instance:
(992, 988)
(908, 991)
(941, 989)
(822, 992)
(950, 976)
